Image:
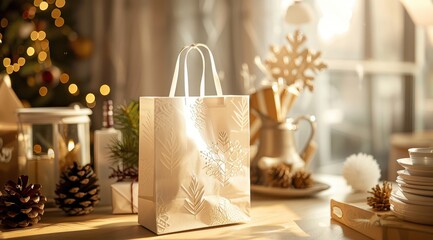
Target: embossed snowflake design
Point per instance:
(241, 116)
(224, 159)
(162, 218)
(194, 202)
(293, 64)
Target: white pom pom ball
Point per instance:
(361, 171)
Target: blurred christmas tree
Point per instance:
(38, 47)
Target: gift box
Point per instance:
(10, 166)
(124, 196)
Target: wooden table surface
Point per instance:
(272, 218)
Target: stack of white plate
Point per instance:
(413, 199)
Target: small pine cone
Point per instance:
(380, 199)
(279, 176)
(302, 179)
(21, 205)
(77, 190)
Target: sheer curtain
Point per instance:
(136, 42)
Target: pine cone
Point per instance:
(77, 190)
(380, 199)
(302, 179)
(21, 205)
(279, 176)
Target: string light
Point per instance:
(4, 23)
(31, 81)
(37, 2)
(60, 3)
(56, 13)
(37, 148)
(34, 35)
(59, 22)
(30, 51)
(42, 56)
(104, 90)
(45, 44)
(90, 98)
(64, 78)
(41, 35)
(43, 6)
(73, 89)
(21, 61)
(16, 67)
(9, 69)
(6, 62)
(43, 91)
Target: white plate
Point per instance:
(414, 182)
(290, 192)
(427, 193)
(416, 169)
(408, 176)
(413, 213)
(402, 183)
(412, 198)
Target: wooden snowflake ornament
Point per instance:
(294, 63)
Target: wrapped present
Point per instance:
(124, 197)
(273, 102)
(10, 167)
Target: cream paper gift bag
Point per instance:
(193, 157)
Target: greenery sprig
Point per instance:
(124, 152)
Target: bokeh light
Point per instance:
(104, 90)
(73, 89)
(64, 78)
(43, 91)
(30, 51)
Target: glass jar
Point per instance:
(50, 139)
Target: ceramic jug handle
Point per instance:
(310, 146)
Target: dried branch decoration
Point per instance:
(380, 199)
(293, 63)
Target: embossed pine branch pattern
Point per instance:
(162, 219)
(194, 203)
(198, 113)
(170, 149)
(241, 116)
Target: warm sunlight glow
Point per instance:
(71, 145)
(336, 17)
(50, 153)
